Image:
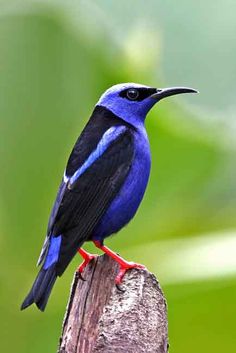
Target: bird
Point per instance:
(103, 184)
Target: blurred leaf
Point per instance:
(56, 59)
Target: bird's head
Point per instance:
(132, 101)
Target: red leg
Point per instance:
(124, 265)
(87, 258)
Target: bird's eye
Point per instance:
(132, 94)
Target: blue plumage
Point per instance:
(53, 252)
(109, 136)
(103, 185)
(125, 205)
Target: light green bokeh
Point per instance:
(56, 58)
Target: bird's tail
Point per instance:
(41, 288)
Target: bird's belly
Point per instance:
(126, 203)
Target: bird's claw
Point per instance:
(80, 276)
(87, 258)
(122, 271)
(118, 287)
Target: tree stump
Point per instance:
(102, 319)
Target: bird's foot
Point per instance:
(87, 258)
(124, 267)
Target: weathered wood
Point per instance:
(102, 319)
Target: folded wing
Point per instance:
(87, 192)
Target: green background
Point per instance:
(56, 58)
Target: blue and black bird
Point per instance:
(103, 183)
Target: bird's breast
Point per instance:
(124, 206)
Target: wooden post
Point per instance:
(102, 319)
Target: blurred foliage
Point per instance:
(56, 58)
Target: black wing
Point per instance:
(84, 205)
(80, 206)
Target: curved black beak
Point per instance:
(167, 92)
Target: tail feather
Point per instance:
(41, 288)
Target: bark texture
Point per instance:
(102, 319)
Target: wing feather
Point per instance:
(78, 209)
